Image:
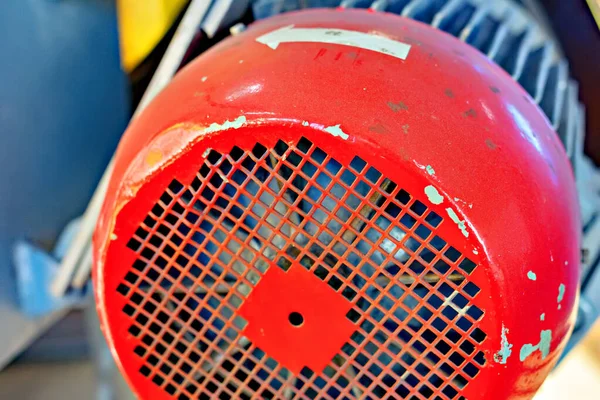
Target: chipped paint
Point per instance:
(430, 170)
(470, 205)
(113, 236)
(337, 131)
(235, 124)
(305, 123)
(561, 294)
(490, 144)
(505, 348)
(543, 317)
(433, 195)
(532, 276)
(204, 78)
(461, 224)
(543, 346)
(494, 89)
(449, 93)
(475, 252)
(405, 128)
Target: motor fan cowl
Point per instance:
(470, 203)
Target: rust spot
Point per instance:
(378, 128)
(494, 89)
(470, 113)
(153, 157)
(395, 107)
(490, 144)
(449, 93)
(405, 128)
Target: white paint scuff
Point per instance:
(430, 170)
(337, 131)
(362, 40)
(461, 224)
(433, 195)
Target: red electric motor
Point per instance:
(339, 204)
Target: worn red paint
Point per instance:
(524, 210)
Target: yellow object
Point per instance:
(595, 7)
(142, 24)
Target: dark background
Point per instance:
(580, 38)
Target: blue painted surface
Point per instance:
(63, 108)
(35, 269)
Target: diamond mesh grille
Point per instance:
(203, 248)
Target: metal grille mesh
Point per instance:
(203, 248)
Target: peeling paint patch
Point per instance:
(532, 276)
(505, 348)
(470, 205)
(305, 123)
(433, 195)
(543, 317)
(461, 224)
(561, 294)
(405, 128)
(395, 107)
(235, 124)
(337, 131)
(430, 170)
(543, 346)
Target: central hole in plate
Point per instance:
(296, 319)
